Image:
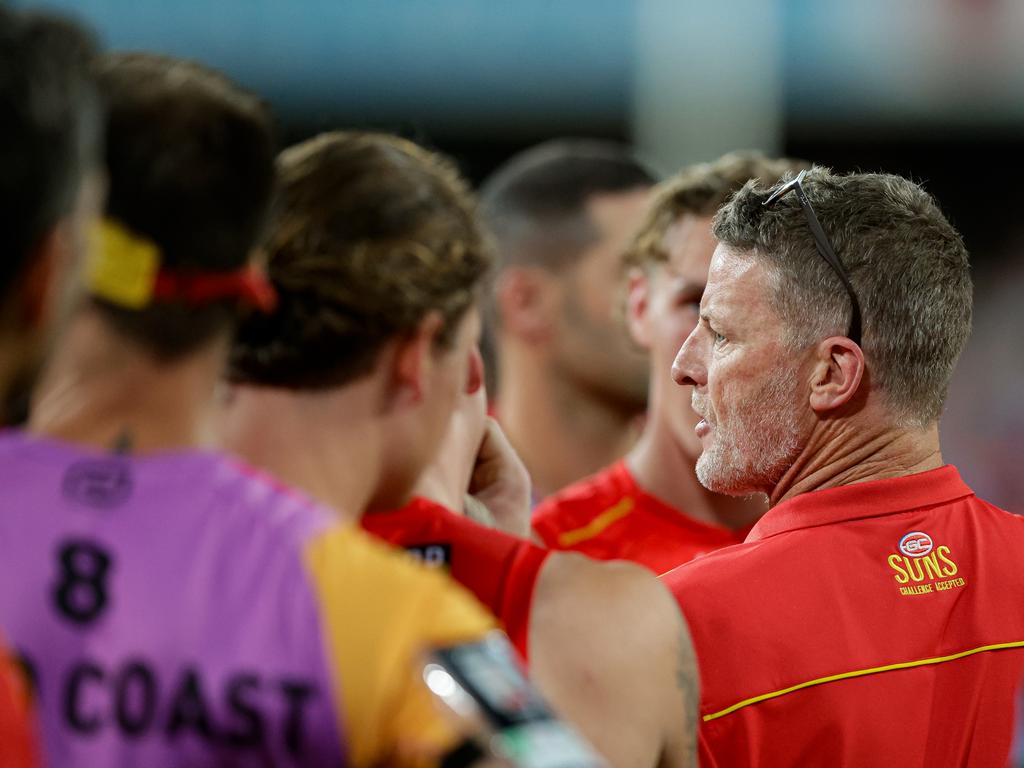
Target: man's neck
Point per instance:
(561, 433)
(845, 451)
(325, 444)
(104, 392)
(662, 468)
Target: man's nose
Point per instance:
(688, 367)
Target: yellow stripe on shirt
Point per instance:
(598, 524)
(861, 673)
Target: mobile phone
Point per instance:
(484, 683)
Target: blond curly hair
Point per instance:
(700, 190)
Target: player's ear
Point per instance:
(638, 288)
(475, 374)
(838, 371)
(413, 359)
(526, 299)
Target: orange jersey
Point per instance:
(500, 569)
(18, 748)
(878, 623)
(609, 517)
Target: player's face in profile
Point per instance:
(673, 306)
(747, 391)
(591, 345)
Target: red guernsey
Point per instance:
(500, 569)
(878, 623)
(18, 748)
(609, 517)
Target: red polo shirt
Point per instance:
(609, 517)
(500, 569)
(879, 623)
(18, 747)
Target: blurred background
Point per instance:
(931, 89)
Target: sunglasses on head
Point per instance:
(823, 245)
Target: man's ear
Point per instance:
(526, 299)
(413, 358)
(637, 303)
(475, 374)
(838, 371)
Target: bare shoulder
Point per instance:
(616, 615)
(619, 634)
(636, 614)
(622, 590)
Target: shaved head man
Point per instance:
(649, 507)
(569, 384)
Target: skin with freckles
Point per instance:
(778, 421)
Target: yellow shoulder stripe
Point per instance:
(380, 612)
(862, 673)
(598, 524)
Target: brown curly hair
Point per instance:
(372, 233)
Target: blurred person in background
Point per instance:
(348, 389)
(874, 610)
(649, 507)
(569, 386)
(51, 188)
(173, 607)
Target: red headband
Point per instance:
(249, 284)
(125, 269)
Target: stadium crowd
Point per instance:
(315, 456)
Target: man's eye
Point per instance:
(719, 338)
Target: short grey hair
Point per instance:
(908, 266)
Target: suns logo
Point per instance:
(916, 544)
(921, 565)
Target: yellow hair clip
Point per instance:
(122, 267)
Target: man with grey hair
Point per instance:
(873, 613)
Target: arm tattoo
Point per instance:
(688, 682)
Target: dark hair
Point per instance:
(50, 129)
(700, 190)
(535, 204)
(372, 233)
(191, 163)
(908, 266)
